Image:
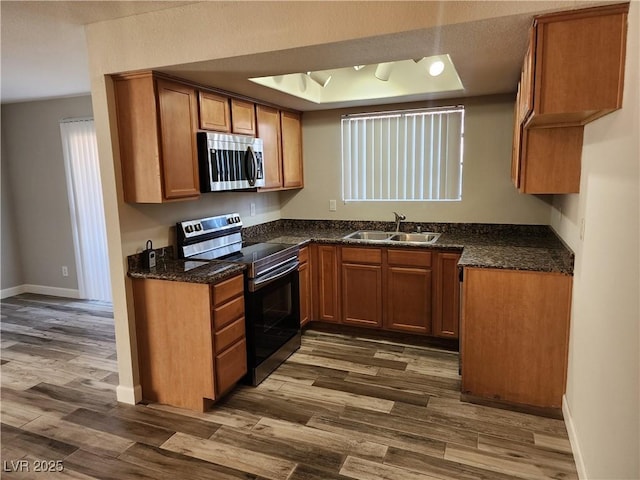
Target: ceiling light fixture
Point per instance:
(321, 78)
(358, 67)
(383, 71)
(302, 82)
(436, 68)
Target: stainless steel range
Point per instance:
(272, 299)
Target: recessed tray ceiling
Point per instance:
(369, 82)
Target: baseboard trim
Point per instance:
(573, 439)
(40, 290)
(130, 395)
(12, 291)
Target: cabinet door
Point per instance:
(408, 298)
(304, 272)
(515, 336)
(178, 125)
(328, 300)
(446, 316)
(579, 64)
(214, 112)
(268, 120)
(243, 117)
(551, 160)
(517, 141)
(362, 294)
(291, 150)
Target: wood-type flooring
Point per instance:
(340, 408)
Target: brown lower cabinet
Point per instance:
(408, 291)
(304, 271)
(191, 340)
(405, 290)
(361, 286)
(514, 336)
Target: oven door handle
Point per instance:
(258, 283)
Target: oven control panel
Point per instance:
(205, 226)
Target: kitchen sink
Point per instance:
(426, 237)
(370, 235)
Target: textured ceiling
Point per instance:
(44, 52)
(43, 45)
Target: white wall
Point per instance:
(38, 200)
(488, 194)
(603, 382)
(12, 276)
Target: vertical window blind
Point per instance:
(411, 155)
(82, 168)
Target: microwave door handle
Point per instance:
(250, 160)
(213, 166)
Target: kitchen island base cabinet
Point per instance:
(514, 338)
(191, 340)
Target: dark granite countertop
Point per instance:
(517, 247)
(192, 271)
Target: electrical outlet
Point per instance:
(65, 271)
(252, 209)
(582, 229)
(332, 205)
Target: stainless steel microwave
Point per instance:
(229, 162)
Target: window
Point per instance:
(410, 155)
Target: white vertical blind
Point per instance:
(409, 155)
(87, 209)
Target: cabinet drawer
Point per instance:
(231, 366)
(303, 255)
(228, 289)
(229, 334)
(227, 313)
(362, 255)
(410, 258)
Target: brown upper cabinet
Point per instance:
(268, 123)
(572, 73)
(157, 121)
(243, 117)
(215, 113)
(158, 117)
(281, 133)
(291, 125)
(578, 65)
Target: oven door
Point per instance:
(272, 319)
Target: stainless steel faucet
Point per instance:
(399, 218)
